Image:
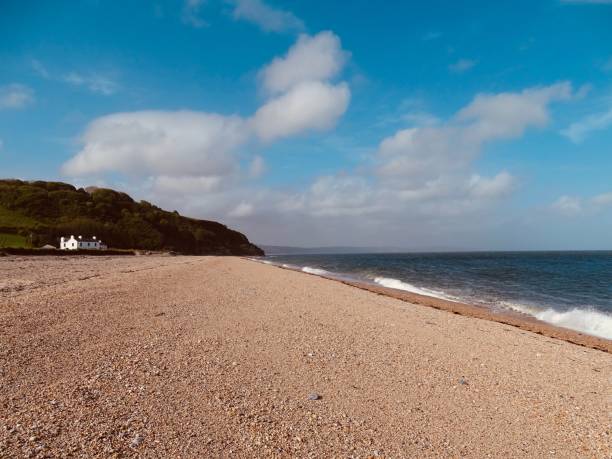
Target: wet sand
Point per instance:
(226, 357)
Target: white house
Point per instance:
(80, 243)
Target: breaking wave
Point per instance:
(587, 321)
(317, 271)
(400, 285)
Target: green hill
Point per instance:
(33, 214)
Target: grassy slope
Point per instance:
(10, 219)
(13, 241)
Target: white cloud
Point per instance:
(186, 184)
(425, 179)
(15, 96)
(268, 18)
(343, 199)
(420, 118)
(424, 152)
(573, 205)
(583, 91)
(40, 68)
(341, 196)
(429, 168)
(306, 101)
(462, 65)
(507, 115)
(242, 210)
(568, 205)
(191, 13)
(602, 200)
(257, 167)
(99, 84)
(308, 106)
(95, 82)
(490, 188)
(430, 190)
(202, 145)
(312, 58)
(579, 131)
(182, 143)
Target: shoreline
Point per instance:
(515, 319)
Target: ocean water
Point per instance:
(568, 289)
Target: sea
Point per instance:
(567, 289)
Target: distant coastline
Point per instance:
(341, 250)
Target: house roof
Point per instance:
(81, 239)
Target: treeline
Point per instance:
(45, 211)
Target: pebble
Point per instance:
(138, 439)
(463, 381)
(314, 396)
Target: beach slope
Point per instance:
(219, 357)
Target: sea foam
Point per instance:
(587, 321)
(401, 285)
(317, 271)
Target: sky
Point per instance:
(435, 125)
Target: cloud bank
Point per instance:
(422, 185)
(423, 174)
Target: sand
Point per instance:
(221, 357)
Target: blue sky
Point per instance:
(467, 125)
